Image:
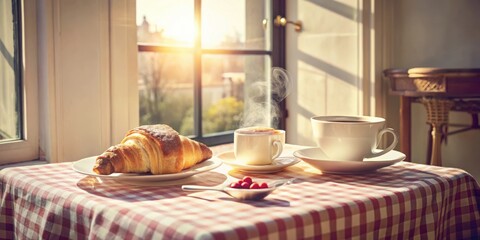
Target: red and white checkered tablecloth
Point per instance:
(402, 201)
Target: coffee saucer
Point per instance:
(278, 164)
(318, 159)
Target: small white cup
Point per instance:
(350, 138)
(258, 145)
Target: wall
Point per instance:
(326, 60)
(87, 58)
(438, 33)
(73, 76)
(328, 64)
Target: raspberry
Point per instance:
(247, 179)
(245, 185)
(248, 183)
(254, 185)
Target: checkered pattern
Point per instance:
(403, 201)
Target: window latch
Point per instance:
(282, 22)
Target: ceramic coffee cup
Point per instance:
(351, 138)
(258, 145)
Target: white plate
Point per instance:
(278, 164)
(85, 166)
(317, 158)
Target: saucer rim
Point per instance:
(256, 168)
(361, 166)
(299, 155)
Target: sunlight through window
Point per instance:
(198, 84)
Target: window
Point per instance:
(10, 80)
(18, 114)
(205, 67)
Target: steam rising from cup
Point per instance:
(263, 97)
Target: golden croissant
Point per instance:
(156, 149)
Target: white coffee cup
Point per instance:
(258, 145)
(350, 138)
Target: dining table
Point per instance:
(403, 200)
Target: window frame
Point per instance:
(27, 147)
(276, 54)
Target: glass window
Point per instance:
(10, 79)
(204, 66)
(166, 89)
(18, 82)
(234, 24)
(240, 97)
(166, 22)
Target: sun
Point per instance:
(176, 20)
(181, 30)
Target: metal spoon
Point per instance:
(241, 193)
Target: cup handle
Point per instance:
(278, 147)
(389, 148)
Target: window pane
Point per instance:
(166, 90)
(235, 24)
(9, 73)
(218, 97)
(166, 22)
(235, 92)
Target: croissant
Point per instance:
(156, 149)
